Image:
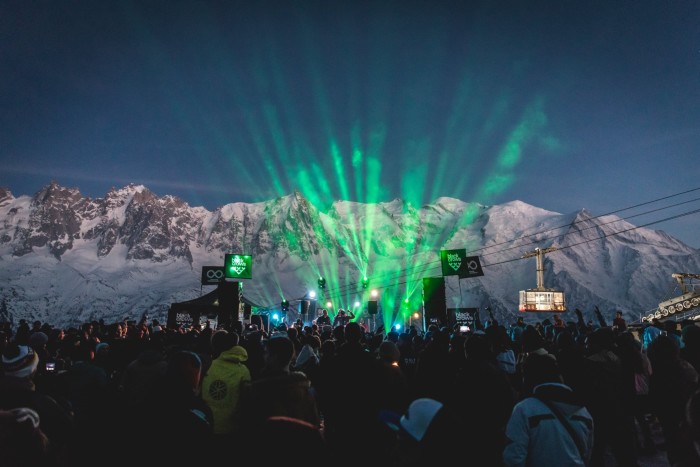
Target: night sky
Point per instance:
(561, 104)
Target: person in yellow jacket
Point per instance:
(222, 384)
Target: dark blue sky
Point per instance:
(561, 104)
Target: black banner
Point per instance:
(182, 318)
(464, 316)
(212, 275)
(473, 267)
(457, 263)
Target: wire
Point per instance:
(422, 271)
(605, 235)
(603, 215)
(587, 228)
(439, 264)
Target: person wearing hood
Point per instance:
(18, 392)
(221, 386)
(537, 432)
(309, 359)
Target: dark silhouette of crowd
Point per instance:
(546, 393)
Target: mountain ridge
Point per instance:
(67, 258)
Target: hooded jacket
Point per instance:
(537, 438)
(221, 388)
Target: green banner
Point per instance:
(238, 266)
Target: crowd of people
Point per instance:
(547, 393)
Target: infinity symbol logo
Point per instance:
(215, 274)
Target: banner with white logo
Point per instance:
(238, 266)
(212, 275)
(457, 263)
(463, 316)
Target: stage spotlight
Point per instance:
(312, 294)
(285, 305)
(365, 282)
(321, 283)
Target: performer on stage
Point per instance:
(343, 317)
(324, 319)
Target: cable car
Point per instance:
(541, 298)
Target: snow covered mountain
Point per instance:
(67, 259)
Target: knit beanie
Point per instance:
(38, 339)
(19, 361)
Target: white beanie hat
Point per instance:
(19, 361)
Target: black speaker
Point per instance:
(247, 309)
(434, 306)
(372, 307)
(229, 302)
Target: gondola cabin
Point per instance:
(541, 298)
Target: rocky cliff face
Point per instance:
(66, 258)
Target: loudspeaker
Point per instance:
(372, 307)
(247, 309)
(229, 302)
(434, 306)
(307, 310)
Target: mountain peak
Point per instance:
(5, 194)
(127, 191)
(53, 192)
